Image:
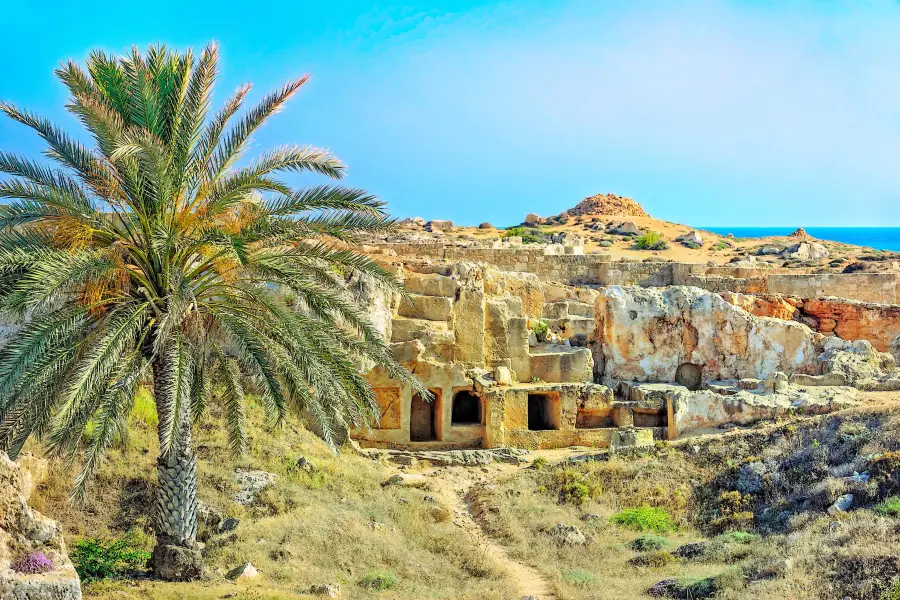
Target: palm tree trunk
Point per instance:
(176, 555)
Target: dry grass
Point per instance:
(798, 551)
(332, 526)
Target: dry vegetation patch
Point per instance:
(333, 524)
(744, 515)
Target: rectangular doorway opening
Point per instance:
(543, 412)
(423, 415)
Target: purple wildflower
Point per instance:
(35, 562)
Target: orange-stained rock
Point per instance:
(851, 320)
(765, 305)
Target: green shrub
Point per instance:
(739, 537)
(143, 411)
(892, 593)
(692, 245)
(579, 578)
(529, 235)
(539, 463)
(889, 507)
(651, 240)
(541, 331)
(379, 580)
(571, 486)
(104, 559)
(649, 543)
(644, 518)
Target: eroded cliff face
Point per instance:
(24, 532)
(647, 334)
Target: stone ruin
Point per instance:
(523, 357)
(26, 536)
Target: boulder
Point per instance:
(648, 334)
(842, 504)
(805, 251)
(438, 225)
(24, 533)
(533, 219)
(485, 225)
(626, 228)
(567, 535)
(692, 237)
(859, 363)
(251, 483)
(244, 571)
(328, 590)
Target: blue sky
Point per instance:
(709, 113)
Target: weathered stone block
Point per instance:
(433, 308)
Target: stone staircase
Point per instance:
(568, 318)
(425, 315)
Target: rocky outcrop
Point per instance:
(852, 320)
(647, 334)
(779, 307)
(608, 204)
(27, 535)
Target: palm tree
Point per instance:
(152, 253)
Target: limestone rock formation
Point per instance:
(806, 251)
(608, 204)
(691, 237)
(23, 532)
(800, 234)
(533, 219)
(648, 334)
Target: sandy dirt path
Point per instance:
(453, 487)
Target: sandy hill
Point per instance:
(608, 204)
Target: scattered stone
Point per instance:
(251, 483)
(842, 504)
(209, 521)
(567, 535)
(690, 550)
(244, 571)
(692, 237)
(591, 518)
(329, 590)
(439, 225)
(503, 375)
(626, 228)
(406, 480)
(430, 499)
(305, 465)
(751, 477)
(229, 524)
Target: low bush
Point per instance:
(889, 507)
(541, 331)
(572, 486)
(95, 558)
(579, 578)
(379, 580)
(644, 518)
(529, 235)
(649, 543)
(651, 240)
(33, 563)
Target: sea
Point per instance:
(880, 238)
